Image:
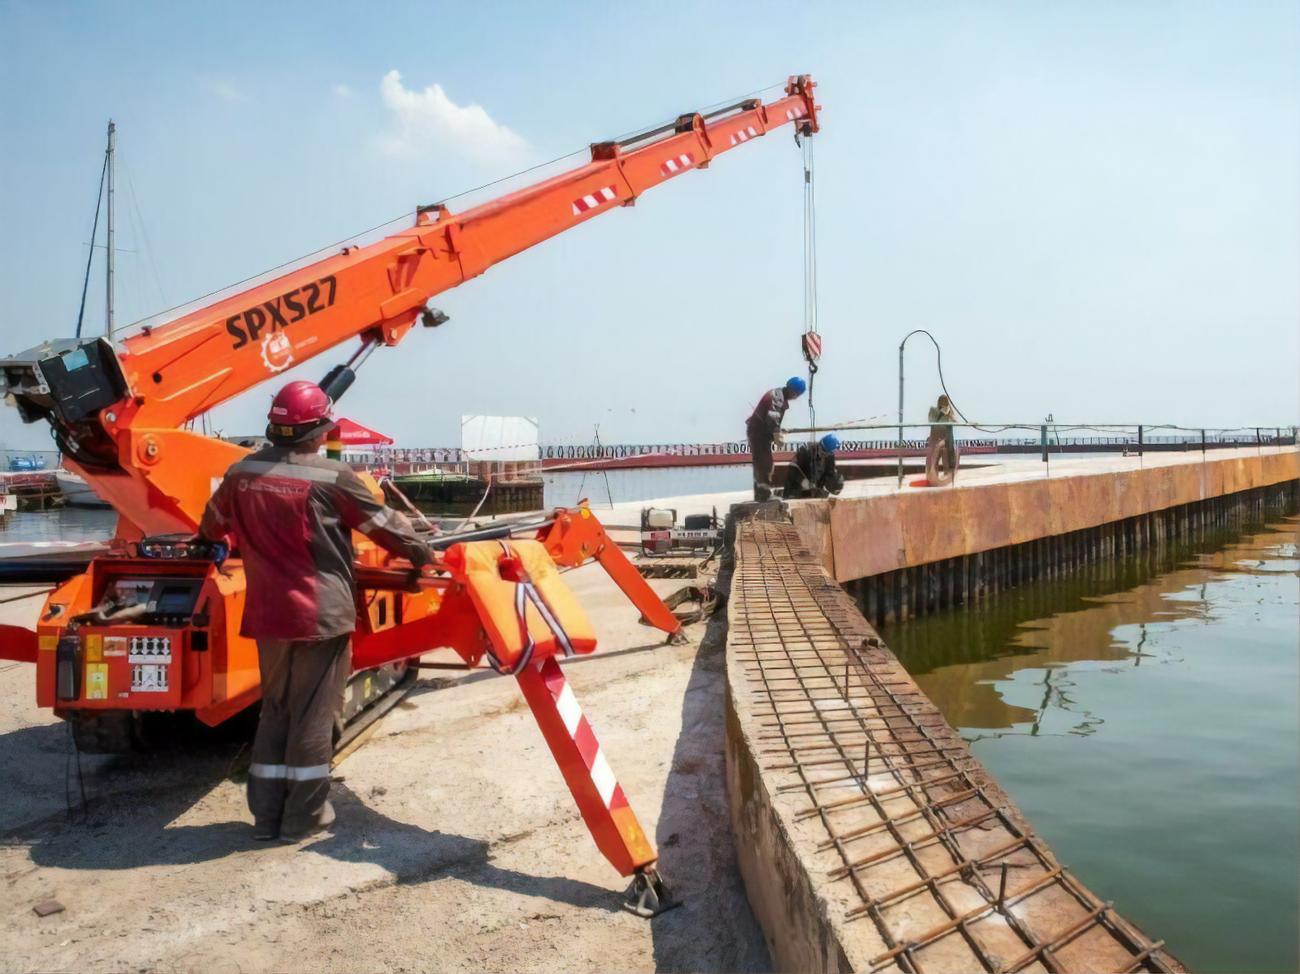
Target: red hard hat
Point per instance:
(298, 404)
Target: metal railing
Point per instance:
(1042, 437)
(1134, 438)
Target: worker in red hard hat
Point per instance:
(291, 514)
(763, 429)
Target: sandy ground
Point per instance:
(458, 846)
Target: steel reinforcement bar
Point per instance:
(917, 859)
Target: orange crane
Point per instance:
(154, 623)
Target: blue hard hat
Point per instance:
(797, 385)
(830, 442)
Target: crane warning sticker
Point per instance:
(96, 681)
(279, 313)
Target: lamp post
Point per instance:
(901, 345)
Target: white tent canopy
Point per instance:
(499, 437)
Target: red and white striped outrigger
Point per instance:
(599, 796)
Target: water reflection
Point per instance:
(1146, 718)
(605, 487)
(59, 524)
(1104, 615)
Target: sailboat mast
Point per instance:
(108, 329)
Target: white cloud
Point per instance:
(223, 90)
(427, 118)
(342, 91)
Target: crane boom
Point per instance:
(119, 423)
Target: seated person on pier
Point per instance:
(812, 472)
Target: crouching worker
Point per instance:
(291, 514)
(812, 473)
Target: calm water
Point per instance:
(1147, 721)
(568, 486)
(63, 524)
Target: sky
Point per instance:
(1094, 207)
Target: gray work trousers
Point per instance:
(302, 695)
(760, 451)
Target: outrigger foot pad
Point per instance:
(648, 896)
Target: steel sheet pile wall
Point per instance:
(868, 835)
(867, 536)
(970, 579)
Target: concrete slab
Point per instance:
(869, 836)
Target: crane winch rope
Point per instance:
(810, 339)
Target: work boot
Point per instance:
(323, 820)
(266, 831)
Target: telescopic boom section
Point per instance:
(187, 366)
(118, 410)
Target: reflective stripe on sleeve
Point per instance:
(268, 770)
(307, 774)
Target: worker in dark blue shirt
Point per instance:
(812, 473)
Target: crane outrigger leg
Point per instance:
(599, 796)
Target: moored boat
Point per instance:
(75, 491)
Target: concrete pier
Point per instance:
(868, 836)
(878, 529)
(969, 579)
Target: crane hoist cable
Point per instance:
(810, 338)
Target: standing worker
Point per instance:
(763, 428)
(942, 445)
(292, 514)
(812, 473)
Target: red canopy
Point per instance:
(354, 434)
